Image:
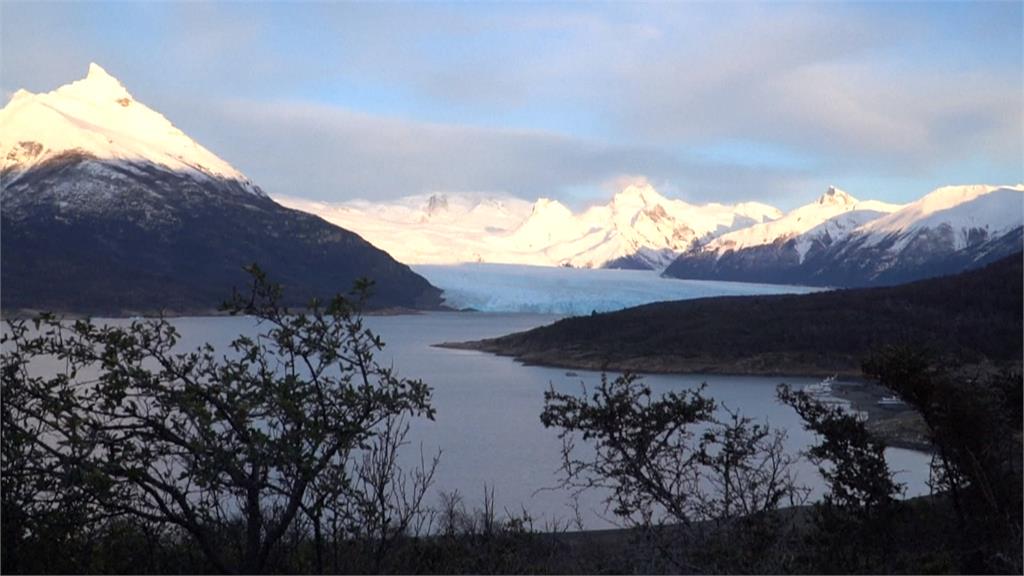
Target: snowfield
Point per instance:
(550, 290)
(637, 228)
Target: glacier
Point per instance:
(515, 288)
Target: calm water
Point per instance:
(488, 408)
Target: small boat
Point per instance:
(891, 401)
(571, 374)
(823, 388)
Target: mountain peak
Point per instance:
(98, 86)
(96, 116)
(20, 94)
(97, 72)
(547, 205)
(834, 196)
(637, 195)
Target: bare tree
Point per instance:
(373, 502)
(668, 465)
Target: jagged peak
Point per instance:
(638, 193)
(547, 206)
(836, 196)
(98, 86)
(96, 115)
(20, 94)
(96, 71)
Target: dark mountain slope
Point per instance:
(972, 316)
(83, 235)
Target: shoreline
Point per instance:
(749, 366)
(28, 314)
(896, 426)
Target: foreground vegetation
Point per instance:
(972, 317)
(281, 455)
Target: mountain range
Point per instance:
(638, 228)
(836, 240)
(841, 241)
(107, 208)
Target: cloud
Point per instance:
(327, 153)
(821, 82)
(336, 100)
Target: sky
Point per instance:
(728, 101)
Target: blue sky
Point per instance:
(708, 101)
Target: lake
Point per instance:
(488, 408)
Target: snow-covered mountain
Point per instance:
(867, 243)
(834, 211)
(108, 208)
(966, 214)
(98, 117)
(438, 228)
(638, 228)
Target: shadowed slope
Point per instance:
(104, 237)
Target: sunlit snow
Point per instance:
(832, 204)
(638, 223)
(996, 209)
(98, 117)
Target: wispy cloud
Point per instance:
(324, 152)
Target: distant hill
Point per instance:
(107, 208)
(972, 316)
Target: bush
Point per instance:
(703, 491)
(234, 450)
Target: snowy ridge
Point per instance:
(813, 219)
(994, 210)
(97, 117)
(854, 243)
(641, 224)
(638, 228)
(835, 229)
(433, 228)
